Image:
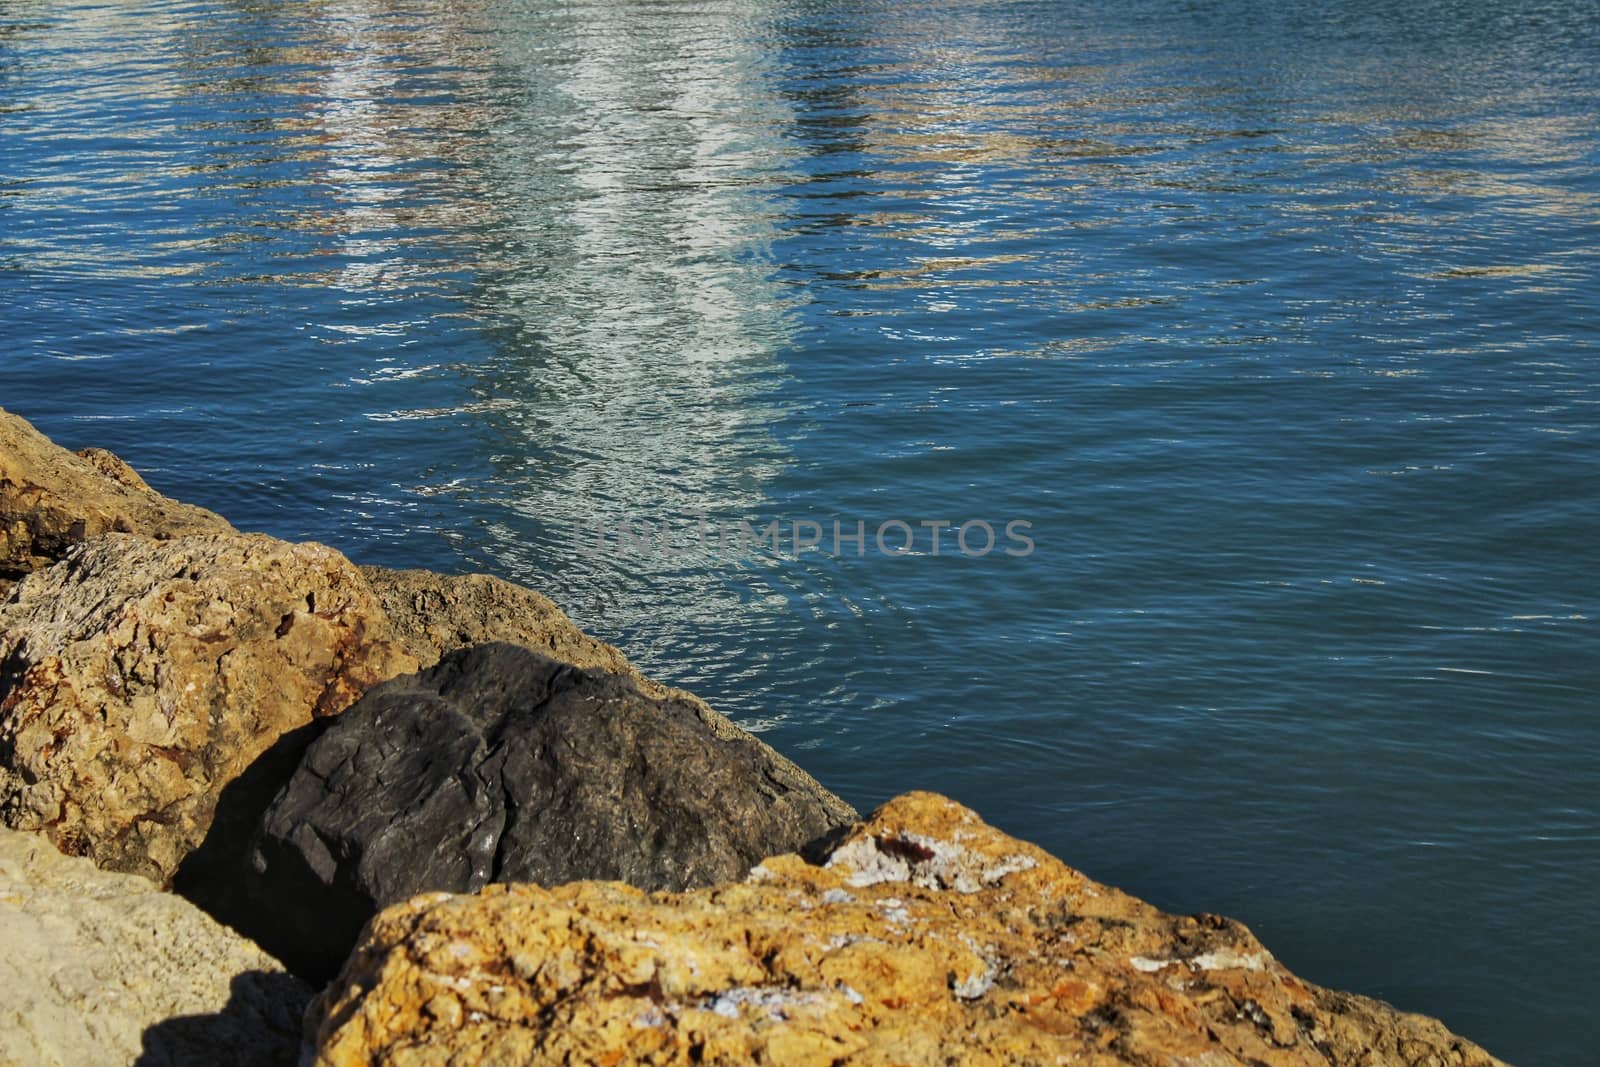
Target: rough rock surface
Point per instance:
(435, 613)
(50, 499)
(102, 968)
(138, 678)
(926, 938)
(500, 764)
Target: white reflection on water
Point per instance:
(643, 326)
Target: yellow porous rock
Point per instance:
(922, 936)
(142, 677)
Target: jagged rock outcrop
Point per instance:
(103, 968)
(138, 678)
(501, 764)
(51, 499)
(924, 937)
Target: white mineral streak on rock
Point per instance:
(922, 861)
(1221, 960)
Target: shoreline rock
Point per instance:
(922, 937)
(138, 678)
(52, 499)
(433, 614)
(503, 765)
(105, 968)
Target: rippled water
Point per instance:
(1278, 323)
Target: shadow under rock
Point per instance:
(217, 876)
(260, 1026)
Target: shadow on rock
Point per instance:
(217, 877)
(260, 1026)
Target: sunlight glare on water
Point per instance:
(1276, 322)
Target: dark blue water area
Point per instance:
(1274, 325)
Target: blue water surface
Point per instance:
(1275, 323)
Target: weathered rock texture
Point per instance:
(51, 499)
(138, 678)
(436, 613)
(500, 764)
(102, 968)
(927, 938)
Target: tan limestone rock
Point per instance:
(138, 678)
(50, 499)
(926, 937)
(103, 968)
(436, 613)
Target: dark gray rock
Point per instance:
(502, 765)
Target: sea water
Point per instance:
(1271, 327)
